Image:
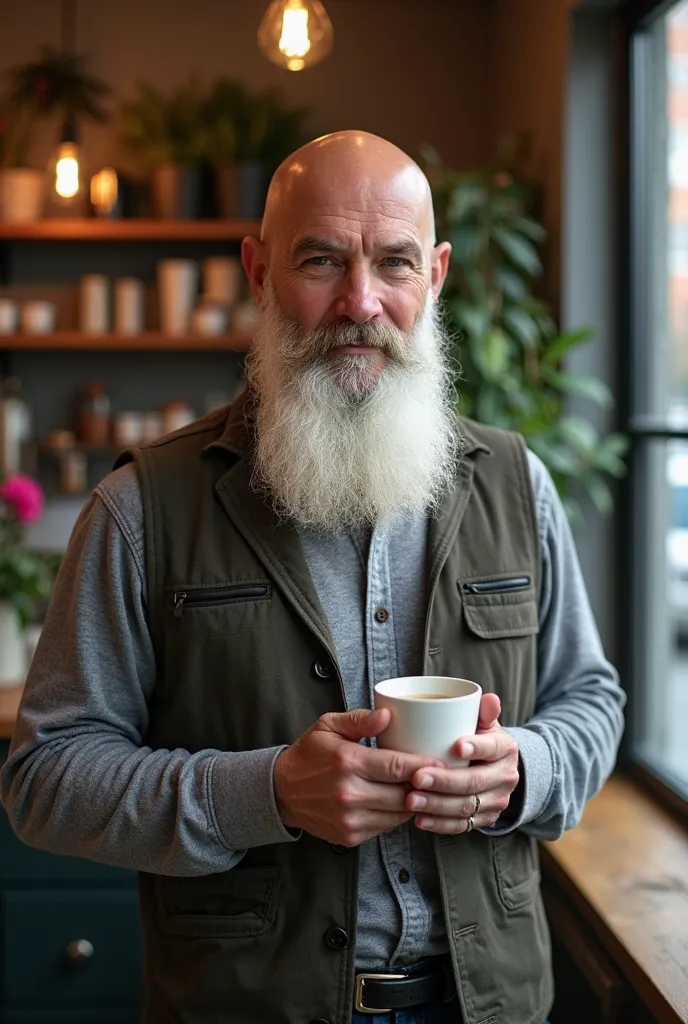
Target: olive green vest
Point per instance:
(236, 672)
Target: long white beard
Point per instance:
(335, 450)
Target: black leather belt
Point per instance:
(381, 992)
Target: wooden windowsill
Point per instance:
(625, 869)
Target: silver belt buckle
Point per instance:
(358, 992)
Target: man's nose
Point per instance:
(358, 299)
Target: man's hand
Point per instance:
(333, 787)
(447, 799)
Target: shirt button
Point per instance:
(339, 850)
(404, 876)
(324, 669)
(381, 614)
(336, 938)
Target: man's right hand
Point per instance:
(335, 788)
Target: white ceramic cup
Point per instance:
(428, 726)
(209, 319)
(9, 316)
(178, 285)
(38, 316)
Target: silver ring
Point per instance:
(477, 804)
(471, 823)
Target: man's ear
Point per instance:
(440, 266)
(254, 259)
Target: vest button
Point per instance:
(336, 938)
(324, 669)
(381, 614)
(339, 850)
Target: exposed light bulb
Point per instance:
(295, 33)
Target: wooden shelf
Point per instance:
(150, 341)
(133, 229)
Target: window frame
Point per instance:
(634, 208)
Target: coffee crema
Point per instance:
(427, 696)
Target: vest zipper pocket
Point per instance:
(504, 586)
(209, 596)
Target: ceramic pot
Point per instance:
(241, 190)
(12, 648)
(22, 193)
(177, 191)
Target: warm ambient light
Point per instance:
(67, 171)
(104, 191)
(295, 33)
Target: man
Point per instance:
(199, 705)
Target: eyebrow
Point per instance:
(403, 247)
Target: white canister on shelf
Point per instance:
(130, 302)
(222, 279)
(128, 428)
(175, 415)
(9, 316)
(177, 287)
(12, 647)
(94, 304)
(152, 426)
(209, 318)
(38, 316)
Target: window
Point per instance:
(658, 370)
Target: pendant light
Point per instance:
(66, 167)
(295, 34)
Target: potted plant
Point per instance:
(25, 576)
(247, 138)
(167, 134)
(508, 351)
(55, 84)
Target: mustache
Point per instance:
(306, 346)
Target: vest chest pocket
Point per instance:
(497, 607)
(233, 904)
(186, 598)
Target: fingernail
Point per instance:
(425, 823)
(467, 749)
(418, 802)
(425, 782)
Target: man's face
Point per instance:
(355, 265)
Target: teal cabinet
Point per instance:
(70, 946)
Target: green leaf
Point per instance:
(519, 250)
(521, 325)
(527, 226)
(494, 354)
(579, 433)
(464, 241)
(577, 384)
(558, 347)
(470, 318)
(511, 283)
(468, 197)
(600, 493)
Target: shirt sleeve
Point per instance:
(79, 779)
(568, 749)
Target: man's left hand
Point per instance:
(446, 797)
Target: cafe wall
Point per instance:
(411, 70)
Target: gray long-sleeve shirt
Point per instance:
(80, 781)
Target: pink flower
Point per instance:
(24, 495)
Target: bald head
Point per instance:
(343, 170)
(348, 235)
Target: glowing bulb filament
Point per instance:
(294, 41)
(67, 173)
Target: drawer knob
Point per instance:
(79, 951)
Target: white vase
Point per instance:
(21, 194)
(12, 648)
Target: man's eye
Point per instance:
(396, 261)
(318, 261)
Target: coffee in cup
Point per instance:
(429, 714)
